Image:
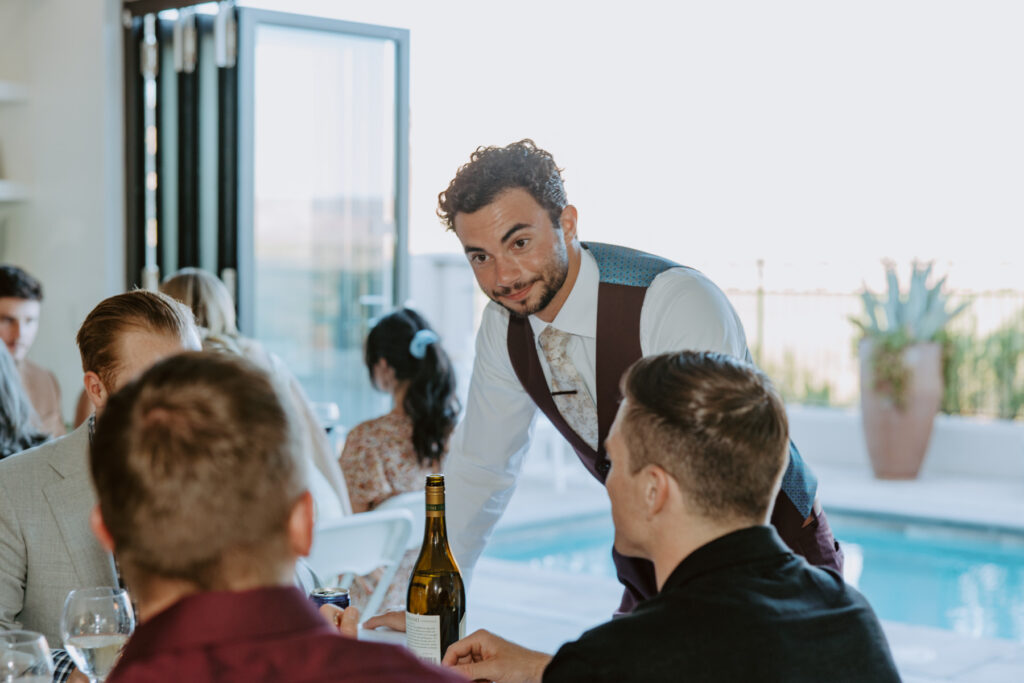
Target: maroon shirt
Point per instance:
(269, 634)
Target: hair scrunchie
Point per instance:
(420, 341)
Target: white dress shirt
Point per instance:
(682, 310)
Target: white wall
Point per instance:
(716, 133)
(66, 145)
(445, 292)
(835, 133)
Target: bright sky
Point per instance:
(820, 137)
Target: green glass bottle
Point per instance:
(435, 615)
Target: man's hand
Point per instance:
(345, 620)
(394, 620)
(77, 676)
(485, 656)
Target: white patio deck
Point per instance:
(543, 609)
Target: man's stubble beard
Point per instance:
(552, 279)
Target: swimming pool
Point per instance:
(965, 579)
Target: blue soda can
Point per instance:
(330, 596)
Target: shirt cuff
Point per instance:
(62, 665)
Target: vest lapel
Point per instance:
(522, 351)
(618, 347)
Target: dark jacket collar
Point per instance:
(735, 548)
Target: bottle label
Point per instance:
(423, 635)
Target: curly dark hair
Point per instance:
(15, 282)
(492, 170)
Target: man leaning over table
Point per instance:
(200, 477)
(566, 318)
(46, 546)
(697, 452)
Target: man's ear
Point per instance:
(657, 487)
(567, 222)
(95, 390)
(300, 525)
(99, 529)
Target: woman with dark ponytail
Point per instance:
(393, 453)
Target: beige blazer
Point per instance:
(44, 393)
(46, 546)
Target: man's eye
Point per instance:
(520, 243)
(477, 259)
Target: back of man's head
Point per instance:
(140, 310)
(715, 424)
(197, 472)
(16, 283)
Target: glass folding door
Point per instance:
(323, 140)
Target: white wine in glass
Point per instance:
(96, 624)
(25, 657)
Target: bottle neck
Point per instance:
(435, 526)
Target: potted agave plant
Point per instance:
(901, 370)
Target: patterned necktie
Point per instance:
(575, 404)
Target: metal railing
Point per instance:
(805, 341)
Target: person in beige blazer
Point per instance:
(46, 546)
(21, 299)
(44, 392)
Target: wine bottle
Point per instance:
(435, 615)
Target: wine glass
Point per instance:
(25, 657)
(95, 625)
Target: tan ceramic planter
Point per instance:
(897, 440)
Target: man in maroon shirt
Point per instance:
(203, 500)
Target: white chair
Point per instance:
(415, 503)
(328, 505)
(357, 544)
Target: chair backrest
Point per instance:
(328, 505)
(305, 579)
(415, 503)
(356, 545)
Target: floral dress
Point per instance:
(379, 462)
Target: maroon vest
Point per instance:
(618, 347)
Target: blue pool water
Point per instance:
(965, 579)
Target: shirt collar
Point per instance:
(578, 314)
(735, 548)
(214, 617)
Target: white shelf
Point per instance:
(13, 92)
(12, 192)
